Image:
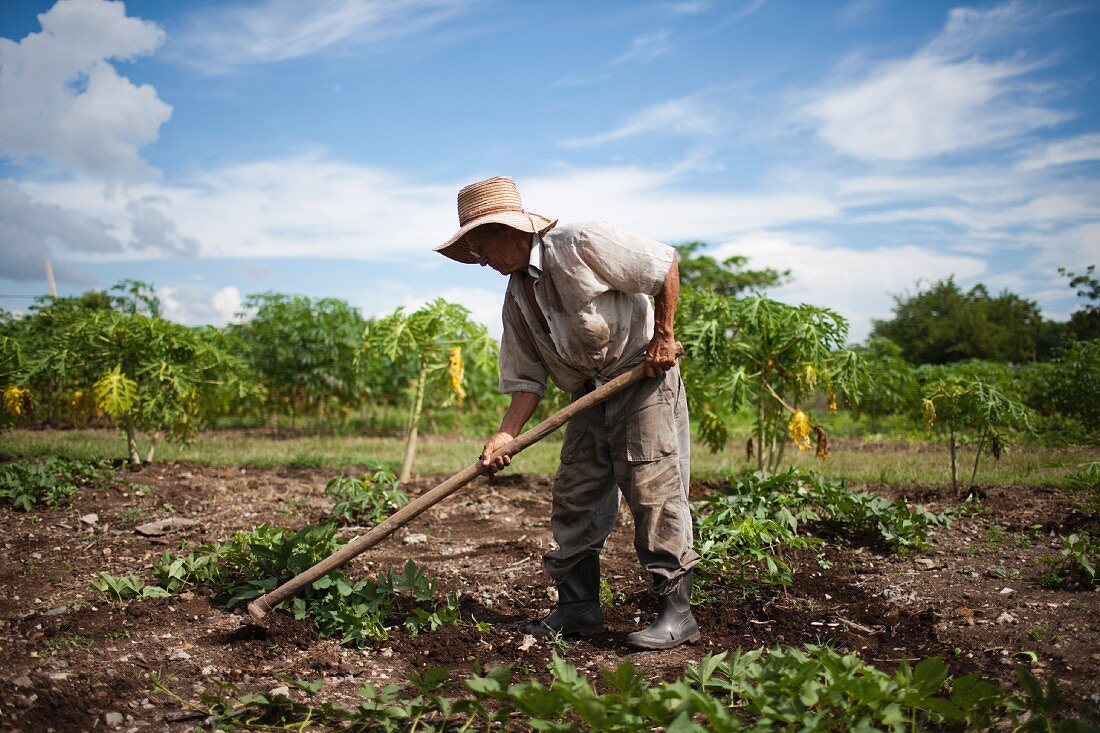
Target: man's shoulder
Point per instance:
(581, 230)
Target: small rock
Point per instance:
(1006, 618)
(1006, 591)
(280, 690)
(178, 655)
(59, 676)
(23, 682)
(90, 519)
(56, 611)
(996, 572)
(527, 643)
(927, 563)
(113, 720)
(164, 526)
(415, 539)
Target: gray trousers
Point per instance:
(638, 442)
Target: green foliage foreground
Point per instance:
(256, 562)
(54, 482)
(815, 689)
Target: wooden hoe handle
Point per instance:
(259, 608)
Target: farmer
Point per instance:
(577, 310)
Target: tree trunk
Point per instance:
(954, 462)
(131, 442)
(974, 473)
(761, 445)
(153, 439)
(414, 422)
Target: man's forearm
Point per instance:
(519, 412)
(664, 302)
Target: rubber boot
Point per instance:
(674, 624)
(578, 609)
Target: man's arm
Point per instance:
(660, 355)
(519, 412)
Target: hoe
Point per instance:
(260, 607)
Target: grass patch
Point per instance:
(912, 463)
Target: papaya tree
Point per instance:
(439, 342)
(146, 373)
(770, 355)
(16, 397)
(966, 407)
(303, 352)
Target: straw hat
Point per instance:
(495, 201)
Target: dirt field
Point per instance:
(71, 661)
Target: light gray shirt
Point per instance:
(592, 282)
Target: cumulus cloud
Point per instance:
(857, 283)
(195, 305)
(61, 99)
(943, 99)
(32, 232)
(222, 40)
(152, 230)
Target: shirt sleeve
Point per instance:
(521, 370)
(626, 262)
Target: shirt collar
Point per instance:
(534, 265)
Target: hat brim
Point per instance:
(458, 250)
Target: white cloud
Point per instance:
(61, 99)
(644, 49)
(690, 7)
(221, 39)
(856, 283)
(942, 99)
(194, 305)
(1063, 152)
(685, 117)
(313, 206)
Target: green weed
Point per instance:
(370, 498)
(810, 689)
(118, 588)
(53, 482)
(1074, 566)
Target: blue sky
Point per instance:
(219, 149)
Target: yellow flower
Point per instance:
(455, 368)
(799, 429)
(809, 376)
(929, 410)
(15, 400)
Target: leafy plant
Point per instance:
(146, 373)
(117, 588)
(439, 340)
(772, 355)
(810, 689)
(53, 482)
(960, 404)
(356, 612)
(370, 497)
(1075, 565)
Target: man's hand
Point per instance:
(660, 355)
(498, 440)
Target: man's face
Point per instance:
(501, 247)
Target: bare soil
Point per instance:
(70, 661)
